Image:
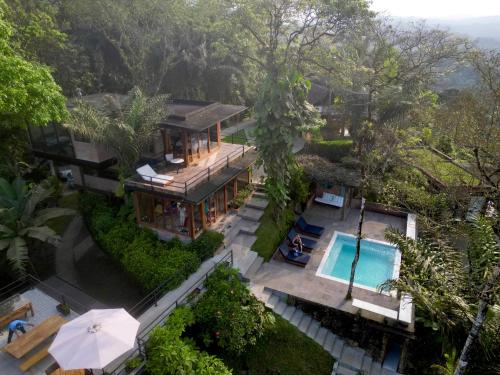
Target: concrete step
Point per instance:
(337, 349)
(248, 226)
(254, 268)
(342, 370)
(257, 203)
(304, 323)
(244, 239)
(352, 357)
(287, 314)
(367, 364)
(376, 368)
(261, 293)
(272, 301)
(259, 194)
(321, 336)
(329, 341)
(297, 317)
(250, 213)
(389, 372)
(244, 261)
(313, 329)
(280, 307)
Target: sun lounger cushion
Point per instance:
(306, 228)
(306, 242)
(330, 199)
(300, 260)
(148, 174)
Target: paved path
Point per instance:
(245, 125)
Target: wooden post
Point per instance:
(191, 220)
(225, 198)
(208, 140)
(185, 142)
(202, 215)
(235, 187)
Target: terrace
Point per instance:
(304, 283)
(228, 157)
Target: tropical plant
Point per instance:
(229, 315)
(283, 113)
(433, 273)
(22, 218)
(169, 353)
(126, 129)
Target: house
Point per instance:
(187, 178)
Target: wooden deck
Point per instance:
(192, 176)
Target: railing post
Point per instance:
(227, 164)
(208, 173)
(185, 188)
(243, 150)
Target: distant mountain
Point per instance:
(485, 31)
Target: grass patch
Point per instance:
(442, 169)
(239, 138)
(270, 232)
(334, 149)
(59, 224)
(284, 350)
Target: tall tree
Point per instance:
(358, 249)
(23, 218)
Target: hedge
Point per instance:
(139, 252)
(334, 150)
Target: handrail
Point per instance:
(187, 185)
(159, 321)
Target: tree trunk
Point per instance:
(358, 248)
(478, 322)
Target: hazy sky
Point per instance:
(438, 8)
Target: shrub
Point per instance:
(334, 150)
(119, 238)
(169, 354)
(206, 244)
(228, 314)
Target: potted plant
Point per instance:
(63, 308)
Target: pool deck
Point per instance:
(303, 282)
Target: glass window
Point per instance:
(203, 136)
(213, 137)
(242, 180)
(198, 226)
(146, 208)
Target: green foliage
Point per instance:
(282, 113)
(229, 315)
(272, 230)
(169, 354)
(444, 144)
(133, 363)
(333, 150)
(299, 186)
(242, 195)
(285, 350)
(147, 259)
(29, 94)
(23, 216)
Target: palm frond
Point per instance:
(17, 253)
(44, 234)
(42, 216)
(37, 195)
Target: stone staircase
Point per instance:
(349, 360)
(241, 236)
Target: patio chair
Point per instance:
(178, 162)
(309, 229)
(290, 257)
(306, 242)
(148, 174)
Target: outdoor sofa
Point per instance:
(331, 199)
(311, 230)
(148, 174)
(306, 242)
(290, 257)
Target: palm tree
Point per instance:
(125, 129)
(21, 218)
(452, 287)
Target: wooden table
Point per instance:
(34, 337)
(14, 307)
(60, 371)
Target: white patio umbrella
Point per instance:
(94, 339)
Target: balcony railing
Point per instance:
(162, 184)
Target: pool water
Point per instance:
(378, 261)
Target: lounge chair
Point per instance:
(331, 199)
(309, 229)
(290, 257)
(306, 242)
(148, 174)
